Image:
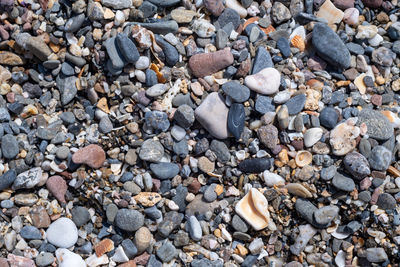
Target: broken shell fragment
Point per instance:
(253, 207)
(303, 158)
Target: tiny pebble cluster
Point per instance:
(201, 133)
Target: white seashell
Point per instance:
(94, 261)
(253, 207)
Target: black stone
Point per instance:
(236, 119)
(229, 15)
(127, 48)
(262, 60)
(170, 52)
(255, 165)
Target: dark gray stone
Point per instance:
(238, 92)
(236, 120)
(170, 52)
(9, 146)
(164, 170)
(343, 183)
(380, 158)
(328, 117)
(357, 165)
(378, 126)
(262, 60)
(220, 150)
(296, 104)
(80, 215)
(127, 48)
(129, 220)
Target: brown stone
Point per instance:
(40, 218)
(244, 68)
(91, 155)
(38, 47)
(3, 262)
(130, 263)
(214, 6)
(343, 4)
(372, 3)
(104, 246)
(143, 238)
(58, 187)
(19, 261)
(376, 100)
(8, 58)
(208, 63)
(142, 259)
(194, 187)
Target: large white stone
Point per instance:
(265, 82)
(62, 233)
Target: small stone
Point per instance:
(164, 170)
(129, 220)
(11, 59)
(330, 47)
(262, 60)
(238, 224)
(167, 252)
(312, 136)
(298, 190)
(386, 202)
(236, 120)
(104, 246)
(9, 146)
(151, 150)
(184, 116)
(343, 183)
(280, 13)
(268, 135)
(264, 104)
(283, 45)
(306, 232)
(325, 215)
(205, 165)
(266, 81)
(271, 179)
(357, 165)
(296, 104)
(44, 259)
(30, 232)
(80, 215)
(7, 179)
(328, 117)
(38, 47)
(376, 254)
(157, 121)
(182, 15)
(378, 126)
(28, 179)
(194, 228)
(127, 48)
(62, 227)
(343, 138)
(208, 63)
(91, 155)
(239, 93)
(143, 238)
(66, 258)
(117, 4)
(329, 12)
(214, 6)
(372, 3)
(380, 158)
(57, 187)
(213, 115)
(255, 165)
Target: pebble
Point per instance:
(386, 201)
(328, 117)
(57, 187)
(62, 227)
(266, 81)
(66, 258)
(239, 93)
(213, 115)
(194, 228)
(127, 48)
(208, 63)
(129, 220)
(262, 60)
(378, 126)
(325, 215)
(357, 165)
(296, 104)
(9, 146)
(330, 47)
(167, 252)
(44, 259)
(236, 120)
(380, 158)
(312, 136)
(343, 183)
(7, 179)
(151, 151)
(376, 255)
(91, 155)
(80, 215)
(164, 170)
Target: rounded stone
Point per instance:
(357, 165)
(265, 82)
(380, 158)
(129, 220)
(62, 233)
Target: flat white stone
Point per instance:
(62, 233)
(66, 258)
(265, 82)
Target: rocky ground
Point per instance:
(199, 133)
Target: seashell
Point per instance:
(359, 83)
(298, 42)
(301, 31)
(298, 190)
(93, 260)
(104, 246)
(253, 207)
(268, 30)
(331, 13)
(303, 158)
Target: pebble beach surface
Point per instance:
(202, 133)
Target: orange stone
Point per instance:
(104, 246)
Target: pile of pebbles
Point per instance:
(199, 133)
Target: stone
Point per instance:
(271, 179)
(343, 183)
(262, 60)
(236, 120)
(164, 170)
(151, 150)
(167, 252)
(127, 48)
(142, 239)
(280, 13)
(329, 12)
(10, 59)
(203, 28)
(386, 201)
(296, 104)
(91, 155)
(214, 6)
(283, 45)
(171, 221)
(62, 227)
(182, 15)
(7, 179)
(343, 137)
(235, 5)
(208, 63)
(66, 258)
(344, 4)
(29, 232)
(255, 165)
(239, 93)
(157, 121)
(266, 81)
(114, 53)
(306, 232)
(170, 52)
(326, 214)
(312, 136)
(238, 224)
(253, 207)
(357, 165)
(298, 190)
(372, 3)
(264, 104)
(67, 87)
(380, 158)
(383, 56)
(57, 187)
(205, 165)
(129, 220)
(328, 117)
(74, 23)
(229, 15)
(184, 116)
(330, 47)
(9, 146)
(376, 255)
(378, 126)
(268, 136)
(44, 259)
(213, 115)
(117, 4)
(80, 215)
(28, 179)
(38, 47)
(194, 228)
